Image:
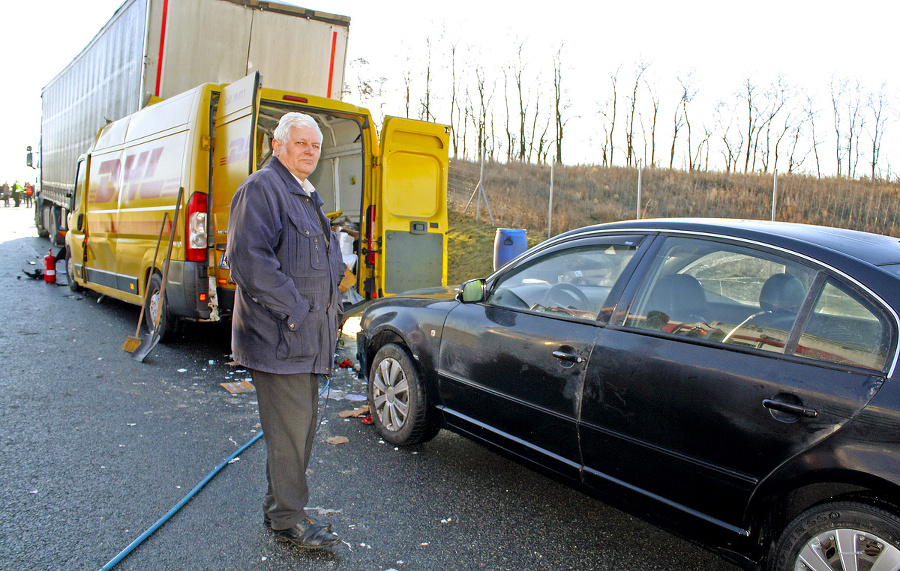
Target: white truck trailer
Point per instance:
(153, 49)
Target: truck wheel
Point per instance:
(168, 322)
(70, 272)
(54, 226)
(845, 536)
(39, 222)
(400, 406)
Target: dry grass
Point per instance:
(518, 195)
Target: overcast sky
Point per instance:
(722, 44)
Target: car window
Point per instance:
(721, 292)
(844, 329)
(574, 282)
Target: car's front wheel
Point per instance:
(839, 536)
(400, 406)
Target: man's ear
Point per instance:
(276, 146)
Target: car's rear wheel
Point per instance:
(840, 536)
(400, 406)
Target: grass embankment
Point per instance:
(471, 247)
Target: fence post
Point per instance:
(550, 207)
(774, 194)
(638, 215)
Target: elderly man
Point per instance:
(287, 265)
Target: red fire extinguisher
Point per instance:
(50, 267)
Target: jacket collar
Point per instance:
(290, 182)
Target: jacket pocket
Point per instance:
(295, 344)
(307, 250)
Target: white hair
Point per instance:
(291, 120)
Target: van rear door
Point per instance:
(412, 210)
(234, 158)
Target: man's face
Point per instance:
(300, 154)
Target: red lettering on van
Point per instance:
(108, 174)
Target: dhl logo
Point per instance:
(238, 150)
(139, 178)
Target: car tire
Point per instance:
(399, 402)
(70, 272)
(864, 534)
(168, 322)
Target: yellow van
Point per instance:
(391, 194)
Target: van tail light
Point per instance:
(195, 250)
(370, 236)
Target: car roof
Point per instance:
(874, 249)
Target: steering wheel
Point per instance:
(570, 293)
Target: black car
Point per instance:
(733, 381)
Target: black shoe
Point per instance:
(307, 535)
(268, 522)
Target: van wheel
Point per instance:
(70, 272)
(167, 322)
(400, 406)
(840, 536)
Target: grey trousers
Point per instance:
(288, 410)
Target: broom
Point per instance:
(133, 343)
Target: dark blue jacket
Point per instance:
(287, 269)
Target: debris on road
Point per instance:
(239, 387)
(355, 413)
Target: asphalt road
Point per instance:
(96, 447)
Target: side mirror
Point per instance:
(28, 158)
(471, 291)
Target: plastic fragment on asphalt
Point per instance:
(325, 511)
(182, 370)
(364, 409)
(337, 440)
(239, 387)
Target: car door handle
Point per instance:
(570, 357)
(788, 408)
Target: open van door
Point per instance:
(412, 210)
(234, 158)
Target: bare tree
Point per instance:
(629, 130)
(425, 103)
(518, 72)
(877, 105)
(609, 113)
(752, 126)
(483, 110)
(814, 142)
(687, 95)
(837, 92)
(677, 123)
(510, 136)
(732, 136)
(654, 100)
(558, 103)
(454, 105)
(775, 101)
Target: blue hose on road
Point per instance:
(159, 523)
(178, 506)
